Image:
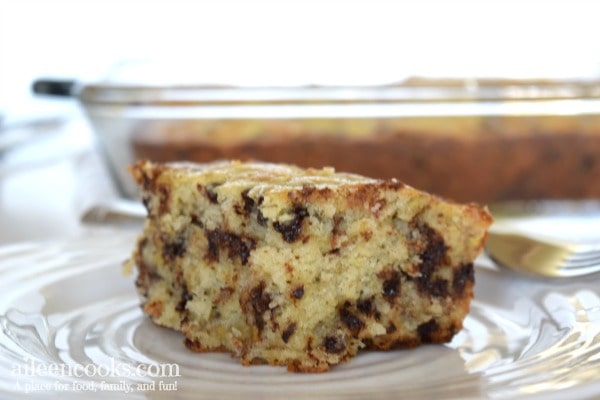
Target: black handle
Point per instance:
(54, 87)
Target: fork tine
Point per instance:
(580, 270)
(543, 257)
(583, 254)
(583, 259)
(580, 263)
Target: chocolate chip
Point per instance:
(289, 331)
(185, 297)
(290, 231)
(435, 250)
(391, 328)
(260, 218)
(147, 272)
(438, 287)
(299, 292)
(146, 202)
(334, 344)
(173, 249)
(259, 301)
(148, 182)
(352, 322)
(249, 204)
(391, 286)
(195, 220)
(209, 192)
(235, 245)
(193, 345)
(432, 257)
(147, 275)
(426, 330)
(464, 275)
(365, 306)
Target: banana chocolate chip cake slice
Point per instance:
(301, 268)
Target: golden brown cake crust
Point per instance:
(302, 268)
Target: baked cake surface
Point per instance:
(530, 157)
(302, 268)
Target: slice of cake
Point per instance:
(302, 268)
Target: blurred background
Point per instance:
(291, 42)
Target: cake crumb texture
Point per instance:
(301, 267)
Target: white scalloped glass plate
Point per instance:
(71, 326)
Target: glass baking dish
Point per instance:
(484, 140)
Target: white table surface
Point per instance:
(48, 180)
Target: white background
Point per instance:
(296, 41)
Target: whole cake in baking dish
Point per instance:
(486, 159)
(301, 268)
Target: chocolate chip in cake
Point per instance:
(147, 182)
(288, 332)
(174, 249)
(146, 203)
(249, 204)
(259, 301)
(437, 287)
(426, 330)
(260, 285)
(290, 231)
(391, 285)
(365, 306)
(334, 252)
(193, 345)
(435, 250)
(334, 344)
(298, 292)
(209, 192)
(195, 220)
(147, 276)
(391, 328)
(147, 271)
(463, 275)
(261, 219)
(185, 297)
(235, 245)
(433, 256)
(352, 322)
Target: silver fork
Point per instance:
(551, 258)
